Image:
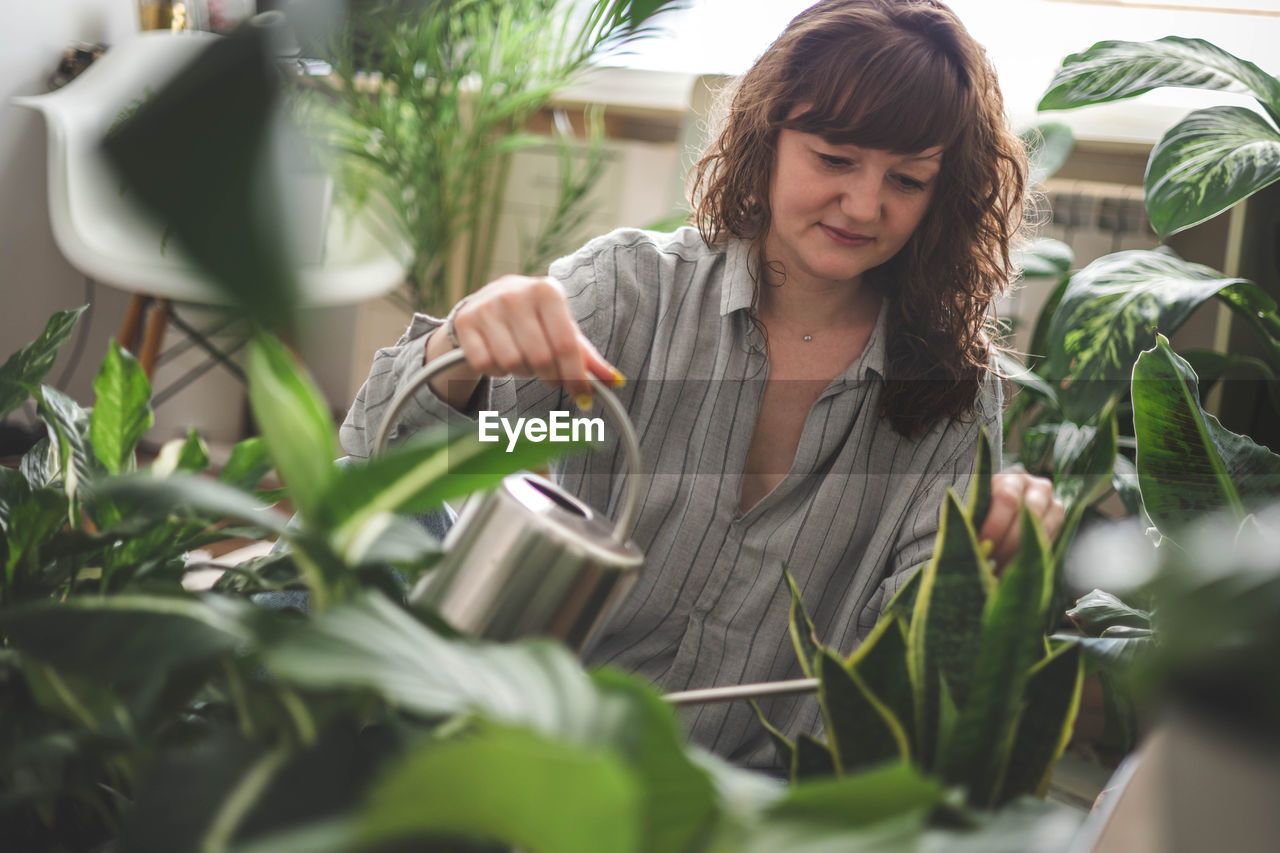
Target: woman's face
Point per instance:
(839, 210)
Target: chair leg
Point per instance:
(153, 336)
(132, 323)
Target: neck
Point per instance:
(818, 307)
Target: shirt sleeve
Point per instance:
(396, 367)
(919, 529)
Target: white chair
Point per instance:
(103, 233)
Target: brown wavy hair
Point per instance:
(901, 76)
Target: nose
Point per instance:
(860, 200)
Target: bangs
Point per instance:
(900, 95)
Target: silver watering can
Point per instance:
(530, 558)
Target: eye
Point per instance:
(831, 161)
(910, 184)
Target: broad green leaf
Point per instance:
(1115, 654)
(1051, 701)
(863, 799)
(295, 423)
(1012, 641)
(191, 496)
(40, 464)
(14, 488)
(249, 463)
(803, 635)
(1124, 479)
(31, 522)
(23, 371)
(1207, 162)
(1111, 311)
(189, 455)
(946, 624)
(1044, 257)
(678, 801)
(392, 539)
(1084, 460)
(372, 644)
(1188, 463)
(1098, 610)
(1112, 70)
(1049, 145)
(121, 409)
(128, 637)
(69, 427)
(508, 785)
(1041, 344)
(422, 473)
(218, 198)
(862, 731)
(1256, 307)
(880, 663)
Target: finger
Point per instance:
(471, 340)
(563, 339)
(1006, 489)
(530, 339)
(1038, 497)
(1054, 519)
(599, 367)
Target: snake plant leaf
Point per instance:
(1048, 145)
(1188, 463)
(1207, 162)
(1051, 702)
(1012, 641)
(1113, 70)
(803, 635)
(880, 664)
(509, 785)
(862, 731)
(979, 502)
(295, 423)
(784, 745)
(23, 371)
(1111, 311)
(946, 623)
(121, 409)
(903, 602)
(1098, 610)
(812, 759)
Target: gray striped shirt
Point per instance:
(858, 509)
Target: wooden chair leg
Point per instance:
(132, 323)
(153, 336)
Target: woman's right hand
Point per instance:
(522, 326)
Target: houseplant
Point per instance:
(430, 147)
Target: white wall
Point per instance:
(35, 280)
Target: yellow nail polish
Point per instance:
(618, 379)
(583, 401)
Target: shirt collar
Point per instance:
(736, 296)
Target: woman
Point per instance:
(811, 362)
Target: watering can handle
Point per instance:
(631, 500)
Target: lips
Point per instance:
(845, 238)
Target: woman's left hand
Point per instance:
(1010, 489)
